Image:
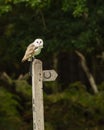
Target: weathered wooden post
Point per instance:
(37, 95)
(38, 76)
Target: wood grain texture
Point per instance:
(37, 95)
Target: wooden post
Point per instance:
(38, 76)
(37, 95)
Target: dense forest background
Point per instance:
(73, 35)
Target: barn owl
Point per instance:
(33, 49)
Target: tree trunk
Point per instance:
(87, 72)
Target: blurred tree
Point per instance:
(15, 103)
(65, 26)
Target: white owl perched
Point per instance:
(33, 49)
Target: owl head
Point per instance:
(38, 43)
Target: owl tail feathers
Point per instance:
(24, 59)
(28, 59)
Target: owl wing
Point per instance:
(29, 52)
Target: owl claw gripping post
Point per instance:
(33, 49)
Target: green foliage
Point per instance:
(15, 104)
(78, 7)
(74, 108)
(71, 108)
(7, 5)
(64, 25)
(23, 88)
(9, 115)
